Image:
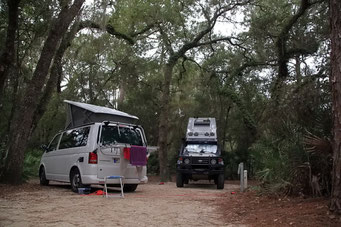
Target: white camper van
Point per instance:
(92, 148)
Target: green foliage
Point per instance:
(230, 81)
(278, 154)
(153, 164)
(31, 164)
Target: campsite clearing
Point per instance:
(154, 204)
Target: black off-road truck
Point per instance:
(200, 157)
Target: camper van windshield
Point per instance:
(122, 134)
(201, 148)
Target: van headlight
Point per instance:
(187, 161)
(213, 161)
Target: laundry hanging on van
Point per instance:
(138, 155)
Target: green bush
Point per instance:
(31, 164)
(231, 161)
(278, 154)
(153, 164)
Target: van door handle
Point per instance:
(81, 159)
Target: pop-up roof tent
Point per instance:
(81, 113)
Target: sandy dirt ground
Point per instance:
(154, 204)
(252, 209)
(151, 204)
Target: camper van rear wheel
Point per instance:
(129, 187)
(179, 180)
(76, 180)
(42, 177)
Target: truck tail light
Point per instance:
(126, 153)
(92, 158)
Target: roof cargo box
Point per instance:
(204, 129)
(81, 113)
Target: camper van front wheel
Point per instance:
(42, 177)
(76, 180)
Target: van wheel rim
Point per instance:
(75, 181)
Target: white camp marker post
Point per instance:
(245, 179)
(241, 172)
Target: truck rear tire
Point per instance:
(220, 181)
(179, 180)
(186, 180)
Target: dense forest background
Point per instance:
(260, 67)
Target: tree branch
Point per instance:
(283, 55)
(211, 23)
(112, 31)
(282, 39)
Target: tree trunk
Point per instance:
(335, 21)
(55, 75)
(298, 70)
(7, 57)
(163, 124)
(21, 126)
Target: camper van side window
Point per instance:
(54, 143)
(74, 138)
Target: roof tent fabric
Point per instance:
(81, 113)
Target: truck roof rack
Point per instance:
(201, 129)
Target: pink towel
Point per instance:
(138, 155)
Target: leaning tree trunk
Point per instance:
(7, 56)
(163, 123)
(335, 21)
(55, 75)
(21, 126)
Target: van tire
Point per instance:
(129, 187)
(75, 180)
(220, 181)
(179, 180)
(42, 177)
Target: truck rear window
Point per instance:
(122, 134)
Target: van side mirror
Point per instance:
(44, 147)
